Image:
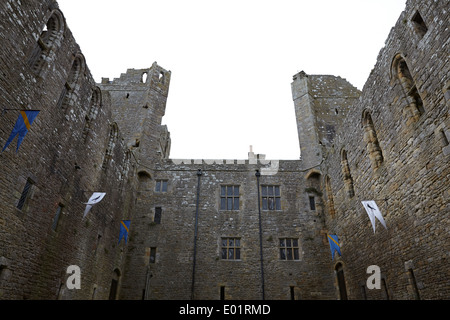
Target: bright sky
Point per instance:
(232, 61)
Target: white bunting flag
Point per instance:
(373, 212)
(95, 198)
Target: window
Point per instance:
(25, 194)
(231, 248)
(152, 255)
(330, 197)
(289, 249)
(413, 101)
(57, 216)
(96, 101)
(161, 186)
(222, 293)
(348, 180)
(47, 42)
(158, 213)
(413, 283)
(271, 198)
(312, 203)
(70, 89)
(370, 137)
(419, 25)
(113, 136)
(229, 198)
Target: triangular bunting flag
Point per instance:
(23, 124)
(373, 212)
(95, 198)
(124, 229)
(334, 245)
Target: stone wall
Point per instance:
(411, 184)
(388, 143)
(66, 155)
(169, 275)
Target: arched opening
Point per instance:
(144, 77)
(414, 103)
(52, 31)
(348, 180)
(339, 269)
(370, 137)
(114, 285)
(70, 89)
(330, 198)
(113, 135)
(94, 106)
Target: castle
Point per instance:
(214, 229)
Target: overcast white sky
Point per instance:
(232, 61)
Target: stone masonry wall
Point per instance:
(411, 185)
(169, 274)
(66, 155)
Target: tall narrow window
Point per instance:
(158, 214)
(25, 194)
(271, 197)
(348, 180)
(57, 217)
(229, 198)
(152, 258)
(370, 137)
(312, 203)
(414, 104)
(222, 293)
(231, 249)
(96, 101)
(113, 135)
(413, 282)
(330, 197)
(289, 249)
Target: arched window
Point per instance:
(370, 137)
(339, 269)
(48, 41)
(113, 135)
(414, 104)
(94, 106)
(70, 90)
(330, 198)
(113, 291)
(348, 180)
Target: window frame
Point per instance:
(160, 184)
(285, 244)
(25, 195)
(225, 197)
(266, 197)
(236, 246)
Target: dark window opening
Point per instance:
(222, 293)
(158, 213)
(413, 281)
(57, 216)
(312, 203)
(419, 25)
(152, 255)
(25, 194)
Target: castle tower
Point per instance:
(138, 101)
(321, 102)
